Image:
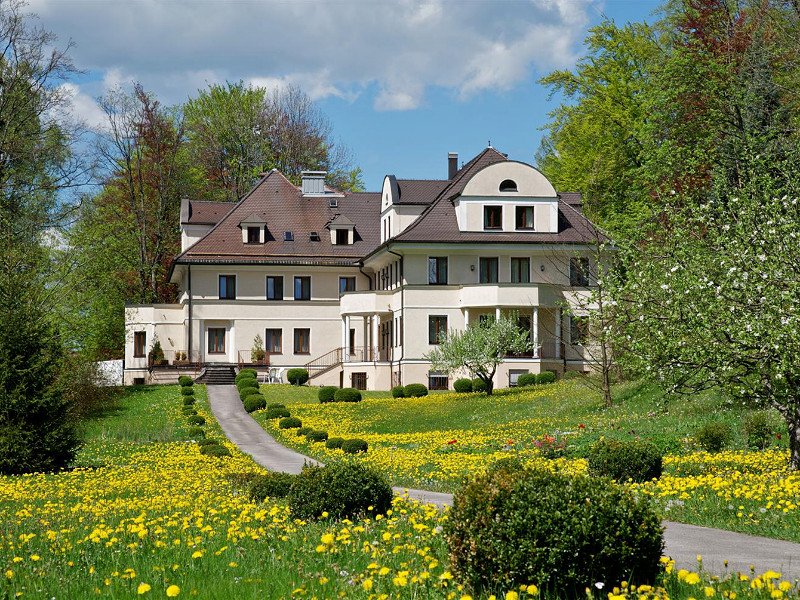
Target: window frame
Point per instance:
(524, 208)
(518, 259)
(440, 376)
(338, 232)
(294, 291)
(219, 286)
(435, 331)
(488, 260)
(269, 335)
(139, 344)
(579, 324)
(437, 269)
(257, 229)
(208, 340)
(295, 339)
(579, 275)
(346, 278)
(276, 278)
(490, 209)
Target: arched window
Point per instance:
(508, 185)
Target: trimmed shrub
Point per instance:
(325, 393)
(511, 527)
(215, 450)
(187, 391)
(254, 402)
(196, 433)
(304, 431)
(415, 390)
(334, 443)
(354, 446)
(188, 411)
(546, 377)
(275, 405)
(188, 400)
(278, 413)
(185, 381)
(478, 385)
(297, 376)
(527, 379)
(270, 485)
(289, 423)
(397, 392)
(196, 420)
(207, 442)
(463, 386)
(714, 436)
(246, 373)
(509, 465)
(637, 460)
(347, 395)
(759, 430)
(317, 435)
(343, 490)
(247, 382)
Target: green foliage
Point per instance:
(187, 391)
(156, 354)
(714, 436)
(636, 460)
(207, 442)
(512, 527)
(415, 390)
(343, 490)
(289, 423)
(254, 402)
(297, 376)
(246, 373)
(354, 446)
(188, 400)
(275, 405)
(546, 377)
(247, 382)
(277, 413)
(527, 379)
(196, 433)
(334, 443)
(462, 386)
(478, 385)
(188, 411)
(347, 395)
(216, 450)
(185, 381)
(304, 431)
(257, 353)
(196, 420)
(317, 435)
(398, 391)
(270, 485)
(326, 393)
(759, 430)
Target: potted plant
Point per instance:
(157, 354)
(257, 353)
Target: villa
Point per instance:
(359, 287)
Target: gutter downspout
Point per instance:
(402, 319)
(189, 282)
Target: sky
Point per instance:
(403, 83)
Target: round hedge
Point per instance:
(397, 392)
(208, 442)
(275, 405)
(546, 377)
(196, 433)
(297, 376)
(247, 373)
(527, 379)
(277, 413)
(342, 490)
(254, 402)
(462, 386)
(326, 393)
(478, 385)
(354, 446)
(304, 431)
(215, 450)
(714, 436)
(270, 485)
(415, 390)
(289, 423)
(188, 400)
(185, 381)
(187, 391)
(247, 382)
(317, 435)
(511, 527)
(188, 411)
(347, 395)
(334, 443)
(637, 460)
(196, 420)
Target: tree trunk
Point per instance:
(794, 440)
(489, 386)
(609, 401)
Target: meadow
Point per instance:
(144, 514)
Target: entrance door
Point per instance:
(216, 341)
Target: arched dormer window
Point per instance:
(508, 185)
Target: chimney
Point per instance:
(313, 183)
(452, 164)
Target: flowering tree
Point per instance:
(480, 348)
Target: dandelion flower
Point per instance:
(173, 591)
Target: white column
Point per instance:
(497, 313)
(365, 345)
(558, 333)
(344, 338)
(375, 335)
(466, 318)
(535, 330)
(346, 344)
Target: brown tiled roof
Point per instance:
(419, 191)
(286, 209)
(571, 198)
(204, 212)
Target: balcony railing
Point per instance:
(368, 354)
(245, 359)
(172, 358)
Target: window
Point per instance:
(227, 287)
(437, 270)
(578, 330)
(508, 185)
(437, 328)
(342, 236)
(492, 217)
(139, 343)
(333, 203)
(274, 287)
(302, 288)
(524, 217)
(358, 380)
(347, 284)
(520, 270)
(579, 272)
(437, 381)
(302, 341)
(524, 324)
(352, 341)
(314, 236)
(273, 341)
(254, 235)
(489, 270)
(513, 376)
(288, 236)
(216, 340)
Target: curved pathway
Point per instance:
(683, 542)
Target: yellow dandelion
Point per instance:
(143, 588)
(173, 591)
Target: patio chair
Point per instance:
(277, 376)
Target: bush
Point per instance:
(270, 485)
(343, 490)
(304, 431)
(297, 376)
(326, 393)
(509, 465)
(317, 435)
(759, 430)
(334, 443)
(188, 411)
(714, 436)
(185, 381)
(478, 385)
(196, 420)
(187, 391)
(397, 392)
(527, 379)
(246, 373)
(546, 377)
(254, 402)
(278, 413)
(207, 442)
(463, 386)
(347, 395)
(215, 450)
(247, 382)
(275, 405)
(636, 460)
(196, 433)
(415, 390)
(354, 446)
(188, 400)
(511, 527)
(289, 423)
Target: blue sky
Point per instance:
(402, 82)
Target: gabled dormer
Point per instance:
(342, 230)
(254, 228)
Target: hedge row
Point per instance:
(196, 431)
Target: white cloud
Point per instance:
(328, 48)
(84, 107)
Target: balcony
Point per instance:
(366, 303)
(493, 295)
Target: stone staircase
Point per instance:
(218, 375)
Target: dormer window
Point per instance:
(492, 217)
(314, 236)
(508, 185)
(253, 235)
(342, 230)
(333, 202)
(254, 228)
(288, 236)
(342, 235)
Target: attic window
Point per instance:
(508, 185)
(314, 237)
(253, 235)
(342, 236)
(333, 203)
(288, 236)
